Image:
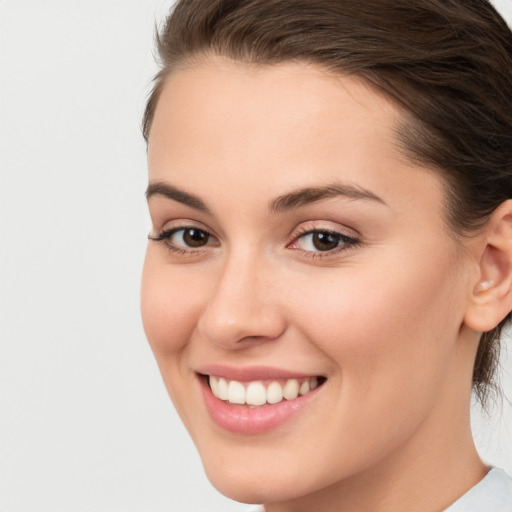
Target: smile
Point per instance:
(255, 401)
(258, 393)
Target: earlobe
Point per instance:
(491, 298)
(483, 286)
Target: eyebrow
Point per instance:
(159, 188)
(285, 202)
(308, 195)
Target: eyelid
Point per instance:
(350, 241)
(165, 235)
(347, 241)
(326, 227)
(169, 232)
(181, 223)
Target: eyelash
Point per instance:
(165, 236)
(347, 242)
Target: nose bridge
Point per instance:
(241, 305)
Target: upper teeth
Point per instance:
(255, 392)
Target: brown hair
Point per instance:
(448, 63)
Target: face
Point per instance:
(295, 251)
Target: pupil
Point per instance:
(325, 241)
(195, 237)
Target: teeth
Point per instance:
(254, 393)
(291, 389)
(304, 388)
(214, 384)
(236, 392)
(222, 390)
(274, 393)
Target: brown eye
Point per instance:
(194, 237)
(324, 241)
(185, 238)
(316, 241)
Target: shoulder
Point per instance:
(492, 494)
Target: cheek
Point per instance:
(389, 332)
(169, 305)
(391, 342)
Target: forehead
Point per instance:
(245, 98)
(223, 127)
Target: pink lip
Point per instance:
(250, 372)
(252, 420)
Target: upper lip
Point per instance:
(248, 373)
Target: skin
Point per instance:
(389, 321)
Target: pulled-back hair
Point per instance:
(447, 63)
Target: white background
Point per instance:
(85, 423)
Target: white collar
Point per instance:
(492, 494)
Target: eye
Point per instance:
(189, 237)
(184, 238)
(322, 241)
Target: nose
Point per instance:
(243, 306)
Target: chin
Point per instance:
(244, 487)
(254, 483)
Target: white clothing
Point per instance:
(492, 494)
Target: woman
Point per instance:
(330, 263)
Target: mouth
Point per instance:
(259, 393)
(256, 401)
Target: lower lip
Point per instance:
(252, 420)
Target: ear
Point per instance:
(491, 298)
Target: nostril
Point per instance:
(241, 328)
